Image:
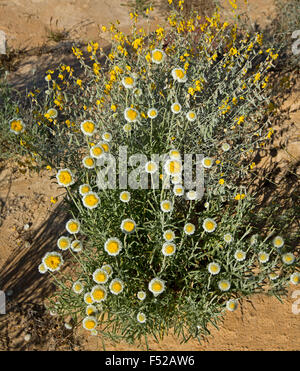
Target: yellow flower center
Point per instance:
(113, 247)
(89, 161)
(157, 286)
(16, 125)
(128, 80)
(105, 146)
(174, 167)
(90, 311)
(214, 268)
(176, 107)
(169, 249)
(166, 206)
(168, 236)
(192, 115)
(296, 279)
(88, 299)
(101, 277)
(77, 287)
(131, 114)
(207, 162)
(85, 189)
(63, 243)
(97, 151)
(141, 317)
(240, 255)
(52, 261)
(189, 228)
(88, 127)
(116, 287)
(128, 226)
(157, 55)
(179, 73)
(91, 200)
(90, 324)
(150, 167)
(209, 225)
(152, 113)
(224, 285)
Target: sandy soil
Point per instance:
(260, 323)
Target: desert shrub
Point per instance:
(148, 259)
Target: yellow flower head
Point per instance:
(179, 74)
(89, 323)
(88, 127)
(100, 276)
(116, 286)
(73, 226)
(77, 287)
(157, 56)
(84, 189)
(224, 285)
(231, 305)
(65, 178)
(213, 268)
(113, 246)
(209, 225)
(98, 293)
(63, 243)
(90, 200)
(173, 167)
(189, 229)
(166, 206)
(88, 162)
(53, 261)
(131, 115)
(128, 226)
(168, 249)
(169, 235)
(17, 126)
(156, 286)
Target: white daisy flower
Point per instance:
(158, 56)
(97, 151)
(151, 167)
(63, 243)
(127, 128)
(77, 287)
(84, 189)
(89, 323)
(213, 268)
(88, 127)
(173, 167)
(191, 116)
(108, 269)
(169, 235)
(88, 298)
(91, 310)
(76, 246)
(228, 238)
(152, 113)
(98, 293)
(176, 107)
(141, 295)
(168, 249)
(17, 126)
(288, 258)
(138, 92)
(209, 225)
(128, 226)
(273, 276)
(52, 113)
(42, 268)
(207, 162)
(231, 305)
(125, 196)
(107, 136)
(156, 286)
(100, 276)
(53, 261)
(224, 285)
(189, 229)
(141, 317)
(113, 246)
(179, 74)
(240, 255)
(176, 179)
(263, 257)
(295, 278)
(131, 114)
(178, 190)
(73, 226)
(91, 200)
(225, 147)
(174, 154)
(65, 177)
(166, 206)
(128, 82)
(88, 162)
(191, 195)
(278, 242)
(116, 286)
